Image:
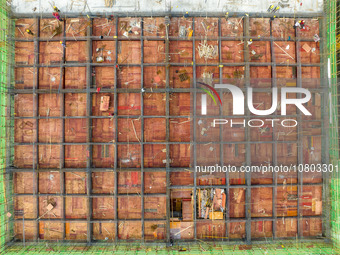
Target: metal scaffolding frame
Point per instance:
(90, 90)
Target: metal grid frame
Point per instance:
(89, 90)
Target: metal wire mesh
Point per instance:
(6, 154)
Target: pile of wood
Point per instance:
(211, 203)
(207, 51)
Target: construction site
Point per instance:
(107, 123)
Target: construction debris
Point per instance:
(207, 51)
(306, 47)
(104, 103)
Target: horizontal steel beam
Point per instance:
(131, 143)
(153, 38)
(217, 64)
(119, 169)
(91, 195)
(133, 14)
(253, 186)
(84, 220)
(147, 90)
(209, 117)
(128, 244)
(253, 219)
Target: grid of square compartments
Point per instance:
(121, 173)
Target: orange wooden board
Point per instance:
(154, 77)
(180, 129)
(75, 182)
(76, 27)
(104, 76)
(103, 208)
(181, 52)
(75, 130)
(22, 24)
(23, 183)
(129, 156)
(129, 130)
(49, 182)
(49, 156)
(181, 178)
(105, 50)
(24, 77)
(129, 77)
(30, 231)
(155, 230)
(154, 26)
(103, 182)
(49, 105)
(104, 230)
(181, 76)
(129, 230)
(75, 104)
(180, 155)
(154, 52)
(75, 77)
(155, 207)
(259, 27)
(154, 155)
(76, 230)
(237, 203)
(209, 229)
(50, 53)
(129, 207)
(155, 182)
(76, 207)
(154, 130)
(50, 130)
(103, 156)
(103, 130)
(75, 156)
(23, 156)
(76, 52)
(261, 229)
(154, 104)
(57, 210)
(24, 53)
(49, 230)
(25, 130)
(51, 28)
(26, 207)
(283, 28)
(261, 202)
(104, 27)
(129, 182)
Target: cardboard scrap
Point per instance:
(216, 215)
(104, 103)
(318, 207)
(49, 207)
(306, 47)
